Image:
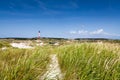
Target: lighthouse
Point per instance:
(39, 41)
(38, 35)
(38, 38)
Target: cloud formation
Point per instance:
(41, 4)
(96, 32)
(99, 31)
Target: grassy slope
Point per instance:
(4, 44)
(90, 61)
(21, 64)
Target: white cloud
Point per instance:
(41, 4)
(82, 32)
(99, 31)
(96, 32)
(73, 32)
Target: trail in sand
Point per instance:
(53, 72)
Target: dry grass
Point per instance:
(90, 61)
(21, 64)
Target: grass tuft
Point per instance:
(90, 61)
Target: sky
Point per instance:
(60, 18)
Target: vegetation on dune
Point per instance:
(78, 60)
(90, 61)
(4, 44)
(21, 64)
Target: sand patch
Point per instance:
(53, 72)
(20, 45)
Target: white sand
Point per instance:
(53, 72)
(56, 44)
(40, 44)
(4, 48)
(20, 45)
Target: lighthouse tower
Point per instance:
(38, 35)
(38, 39)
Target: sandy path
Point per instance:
(53, 72)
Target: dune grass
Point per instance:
(22, 64)
(90, 61)
(4, 44)
(82, 61)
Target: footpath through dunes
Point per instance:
(53, 72)
(53, 69)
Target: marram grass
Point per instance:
(90, 61)
(4, 44)
(86, 61)
(21, 64)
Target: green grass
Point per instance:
(82, 61)
(90, 61)
(4, 44)
(22, 64)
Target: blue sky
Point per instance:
(60, 18)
